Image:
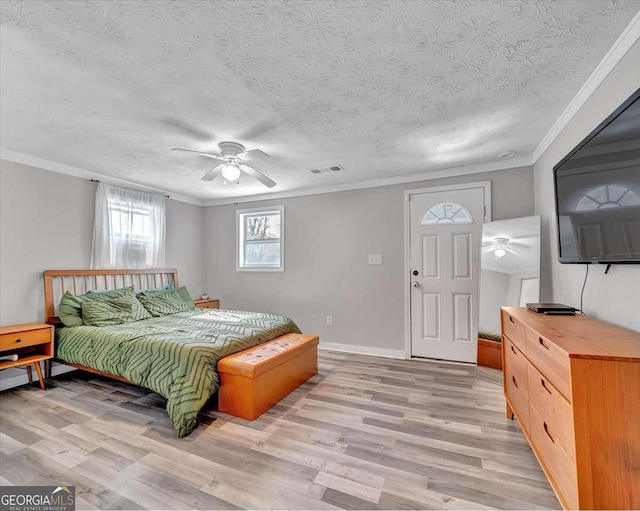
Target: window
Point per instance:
(608, 196)
(129, 228)
(447, 213)
(260, 239)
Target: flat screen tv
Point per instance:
(597, 188)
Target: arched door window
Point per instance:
(447, 213)
(608, 196)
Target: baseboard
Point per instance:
(362, 350)
(21, 379)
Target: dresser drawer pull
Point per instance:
(546, 430)
(544, 385)
(514, 381)
(511, 319)
(514, 350)
(541, 341)
(18, 340)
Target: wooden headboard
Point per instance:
(57, 282)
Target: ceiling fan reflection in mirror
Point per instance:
(501, 246)
(233, 161)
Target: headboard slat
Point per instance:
(54, 280)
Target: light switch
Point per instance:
(375, 259)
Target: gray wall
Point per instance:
(494, 286)
(614, 297)
(515, 286)
(46, 222)
(327, 240)
(184, 244)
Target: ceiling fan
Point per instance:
(499, 247)
(233, 161)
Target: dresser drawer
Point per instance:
(517, 364)
(554, 409)
(21, 339)
(514, 330)
(550, 361)
(559, 466)
(517, 399)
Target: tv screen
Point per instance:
(598, 192)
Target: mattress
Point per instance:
(174, 355)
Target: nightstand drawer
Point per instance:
(207, 304)
(21, 339)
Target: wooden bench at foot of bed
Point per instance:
(254, 380)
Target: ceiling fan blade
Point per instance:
(257, 130)
(191, 130)
(214, 156)
(511, 251)
(254, 154)
(518, 244)
(256, 174)
(213, 173)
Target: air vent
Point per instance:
(333, 168)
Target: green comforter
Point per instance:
(174, 355)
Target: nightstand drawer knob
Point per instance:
(18, 340)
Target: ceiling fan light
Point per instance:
(500, 252)
(230, 172)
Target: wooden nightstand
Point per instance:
(32, 342)
(207, 304)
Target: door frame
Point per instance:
(486, 186)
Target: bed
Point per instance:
(490, 349)
(174, 355)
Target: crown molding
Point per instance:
(33, 161)
(524, 161)
(615, 54)
(53, 166)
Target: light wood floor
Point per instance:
(365, 433)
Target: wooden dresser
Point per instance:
(573, 383)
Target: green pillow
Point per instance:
(161, 303)
(113, 312)
(70, 308)
(182, 291)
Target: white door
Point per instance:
(445, 241)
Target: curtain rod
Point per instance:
(97, 181)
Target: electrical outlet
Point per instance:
(329, 320)
(375, 259)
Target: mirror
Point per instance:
(509, 277)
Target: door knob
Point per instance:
(415, 284)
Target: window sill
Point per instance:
(267, 269)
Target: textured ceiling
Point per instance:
(383, 88)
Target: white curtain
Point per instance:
(128, 229)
